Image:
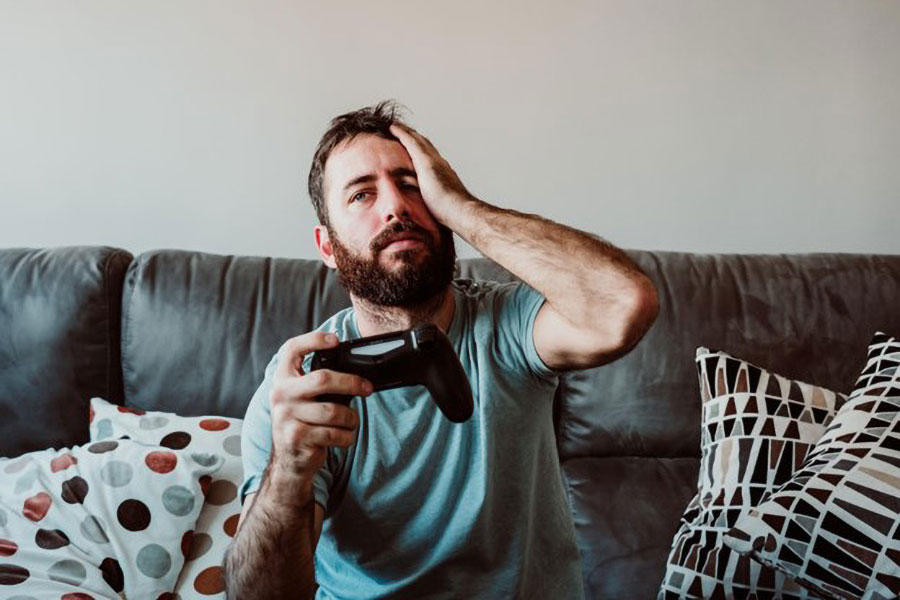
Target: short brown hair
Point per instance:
(375, 119)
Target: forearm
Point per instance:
(580, 275)
(272, 553)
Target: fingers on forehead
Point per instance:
(409, 130)
(424, 140)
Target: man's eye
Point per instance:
(411, 186)
(357, 195)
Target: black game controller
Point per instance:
(419, 356)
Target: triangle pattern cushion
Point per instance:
(756, 428)
(834, 526)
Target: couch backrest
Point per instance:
(59, 342)
(808, 317)
(199, 329)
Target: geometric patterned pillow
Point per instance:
(96, 520)
(757, 427)
(835, 526)
(202, 575)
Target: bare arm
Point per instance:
(599, 302)
(277, 536)
(272, 553)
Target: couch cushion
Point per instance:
(626, 511)
(835, 525)
(199, 329)
(811, 315)
(756, 429)
(59, 342)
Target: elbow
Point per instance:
(639, 313)
(624, 324)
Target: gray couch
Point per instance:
(191, 333)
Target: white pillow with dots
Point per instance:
(213, 436)
(102, 520)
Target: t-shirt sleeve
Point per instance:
(256, 442)
(515, 306)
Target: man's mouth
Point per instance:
(404, 243)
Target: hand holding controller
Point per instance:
(419, 356)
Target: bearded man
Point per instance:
(386, 497)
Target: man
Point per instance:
(388, 498)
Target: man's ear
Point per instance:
(323, 243)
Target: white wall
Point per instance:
(708, 126)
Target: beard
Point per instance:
(416, 281)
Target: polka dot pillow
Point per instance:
(202, 576)
(104, 520)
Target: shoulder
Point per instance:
(485, 291)
(502, 315)
(338, 322)
(498, 299)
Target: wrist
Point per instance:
(286, 488)
(454, 211)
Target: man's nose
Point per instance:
(395, 203)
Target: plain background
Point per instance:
(703, 126)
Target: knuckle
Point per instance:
(295, 345)
(328, 437)
(296, 434)
(314, 456)
(349, 419)
(278, 413)
(277, 393)
(319, 378)
(309, 458)
(348, 439)
(329, 411)
(288, 347)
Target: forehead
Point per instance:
(364, 155)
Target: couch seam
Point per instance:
(106, 296)
(568, 490)
(107, 293)
(114, 258)
(583, 456)
(126, 325)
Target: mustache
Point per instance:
(390, 234)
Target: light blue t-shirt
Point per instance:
(421, 507)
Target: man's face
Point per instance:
(373, 199)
